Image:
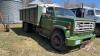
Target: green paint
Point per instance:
(50, 20)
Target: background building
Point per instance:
(10, 10)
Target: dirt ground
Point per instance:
(2, 27)
(19, 43)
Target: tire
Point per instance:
(57, 41)
(30, 28)
(25, 27)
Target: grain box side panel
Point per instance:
(24, 15)
(33, 15)
(21, 14)
(27, 15)
(39, 14)
(30, 15)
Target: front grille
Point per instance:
(83, 26)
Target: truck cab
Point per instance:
(58, 24)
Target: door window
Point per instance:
(49, 11)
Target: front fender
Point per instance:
(64, 29)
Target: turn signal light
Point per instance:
(68, 26)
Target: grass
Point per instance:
(19, 43)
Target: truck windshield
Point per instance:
(97, 12)
(63, 12)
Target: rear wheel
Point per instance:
(27, 27)
(58, 41)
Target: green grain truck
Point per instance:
(57, 24)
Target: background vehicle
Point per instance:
(58, 24)
(97, 18)
(89, 13)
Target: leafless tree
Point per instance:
(26, 2)
(91, 5)
(71, 3)
(47, 1)
(76, 3)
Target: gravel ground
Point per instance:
(19, 43)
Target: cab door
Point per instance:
(47, 21)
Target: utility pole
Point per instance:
(82, 5)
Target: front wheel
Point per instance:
(57, 41)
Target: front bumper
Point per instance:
(79, 39)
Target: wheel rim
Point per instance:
(56, 41)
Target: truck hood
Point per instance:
(75, 18)
(83, 19)
(65, 18)
(68, 17)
